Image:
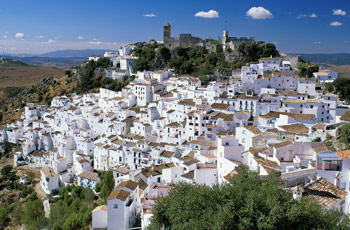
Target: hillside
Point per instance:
(55, 62)
(337, 59)
(89, 78)
(63, 59)
(19, 74)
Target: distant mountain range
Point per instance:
(335, 59)
(74, 53)
(63, 59)
(64, 53)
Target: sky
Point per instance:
(298, 26)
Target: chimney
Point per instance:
(337, 178)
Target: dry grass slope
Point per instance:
(25, 75)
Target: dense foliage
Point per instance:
(247, 202)
(341, 86)
(197, 61)
(73, 209)
(344, 134)
(106, 185)
(307, 70)
(31, 213)
(91, 78)
(34, 215)
(253, 52)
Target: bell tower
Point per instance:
(167, 33)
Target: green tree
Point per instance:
(329, 87)
(269, 50)
(107, 184)
(165, 54)
(6, 170)
(344, 133)
(342, 87)
(74, 221)
(247, 202)
(34, 215)
(4, 218)
(57, 213)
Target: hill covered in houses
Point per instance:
(143, 147)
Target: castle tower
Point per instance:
(225, 36)
(225, 39)
(167, 33)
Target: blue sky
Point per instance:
(38, 26)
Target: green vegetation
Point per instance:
(91, 78)
(73, 209)
(247, 202)
(34, 215)
(341, 86)
(199, 61)
(306, 69)
(253, 52)
(106, 185)
(12, 91)
(344, 134)
(31, 213)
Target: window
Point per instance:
(115, 206)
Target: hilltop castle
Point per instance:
(184, 40)
(188, 41)
(233, 42)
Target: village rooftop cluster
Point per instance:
(163, 129)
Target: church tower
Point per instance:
(167, 33)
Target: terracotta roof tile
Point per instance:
(119, 194)
(296, 128)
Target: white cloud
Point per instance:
(317, 43)
(19, 36)
(150, 15)
(275, 42)
(335, 24)
(209, 14)
(339, 12)
(313, 15)
(95, 43)
(81, 38)
(50, 41)
(94, 39)
(5, 36)
(301, 16)
(259, 13)
(41, 36)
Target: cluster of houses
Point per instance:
(122, 62)
(163, 129)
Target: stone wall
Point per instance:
(275, 136)
(293, 59)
